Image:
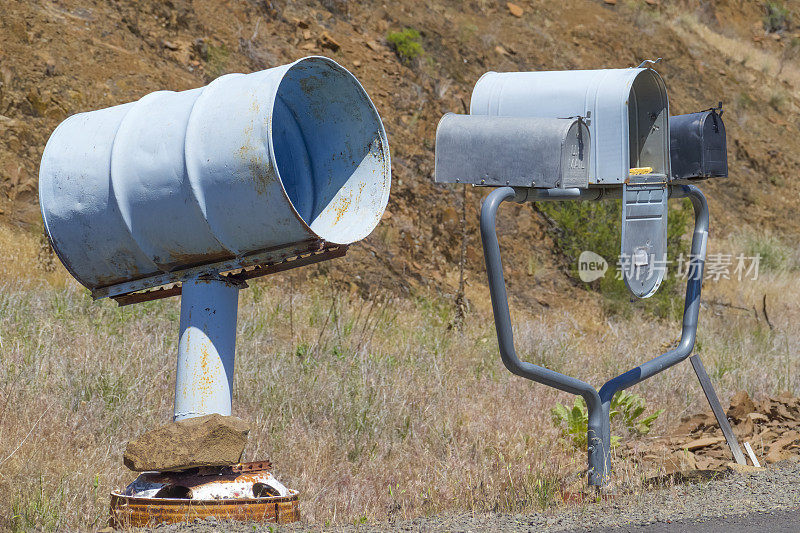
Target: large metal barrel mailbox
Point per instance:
(291, 157)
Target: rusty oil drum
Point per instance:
(130, 511)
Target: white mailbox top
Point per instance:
(627, 112)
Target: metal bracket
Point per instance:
(649, 63)
(241, 269)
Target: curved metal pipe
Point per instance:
(598, 453)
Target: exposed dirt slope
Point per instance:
(66, 56)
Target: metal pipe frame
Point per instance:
(597, 401)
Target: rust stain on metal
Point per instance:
(251, 154)
(340, 207)
(319, 250)
(205, 384)
(129, 511)
(253, 505)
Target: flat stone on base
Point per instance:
(210, 440)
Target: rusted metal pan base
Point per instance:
(130, 511)
(246, 492)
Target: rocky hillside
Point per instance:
(65, 56)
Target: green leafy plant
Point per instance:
(574, 422)
(406, 44)
(596, 226)
(626, 407)
(217, 61)
(777, 17)
(629, 408)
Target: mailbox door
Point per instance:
(644, 234)
(715, 149)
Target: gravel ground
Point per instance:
(775, 522)
(758, 499)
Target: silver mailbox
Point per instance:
(520, 152)
(627, 112)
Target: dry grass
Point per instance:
(373, 409)
(737, 49)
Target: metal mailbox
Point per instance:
(250, 167)
(626, 110)
(627, 114)
(203, 189)
(521, 152)
(520, 139)
(698, 146)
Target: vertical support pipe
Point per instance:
(598, 453)
(206, 349)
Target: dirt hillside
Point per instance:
(65, 56)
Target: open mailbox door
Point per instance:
(627, 114)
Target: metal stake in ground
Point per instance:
(716, 407)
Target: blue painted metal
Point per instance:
(294, 156)
(204, 380)
(505, 336)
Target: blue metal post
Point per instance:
(505, 338)
(207, 345)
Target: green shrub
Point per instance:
(406, 44)
(217, 62)
(777, 17)
(773, 254)
(626, 407)
(744, 100)
(595, 226)
(776, 100)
